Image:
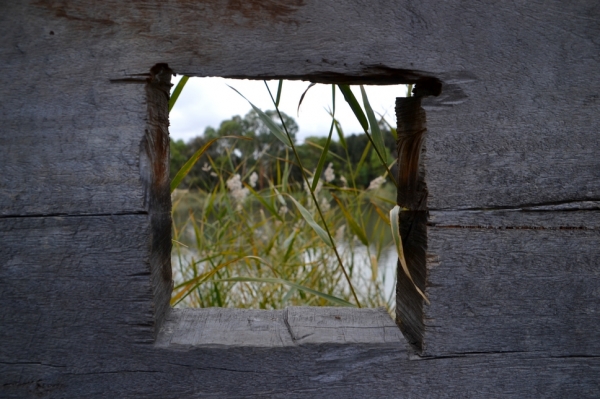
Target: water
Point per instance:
(359, 257)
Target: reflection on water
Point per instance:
(364, 261)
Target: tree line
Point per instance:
(351, 156)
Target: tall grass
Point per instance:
(319, 242)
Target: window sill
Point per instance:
(293, 326)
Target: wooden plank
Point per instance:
(71, 285)
(154, 170)
(188, 328)
(514, 127)
(484, 151)
(412, 198)
(323, 370)
(411, 129)
(534, 150)
(571, 216)
(76, 152)
(327, 325)
(323, 366)
(508, 281)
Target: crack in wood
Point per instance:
(566, 205)
(287, 324)
(527, 354)
(33, 364)
(510, 227)
(72, 215)
(117, 372)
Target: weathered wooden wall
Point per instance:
(510, 165)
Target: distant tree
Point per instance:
(229, 155)
(264, 151)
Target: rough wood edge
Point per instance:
(293, 326)
(154, 170)
(412, 197)
(365, 75)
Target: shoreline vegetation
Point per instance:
(260, 221)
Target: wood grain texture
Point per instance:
(69, 329)
(508, 281)
(191, 360)
(514, 127)
(73, 286)
(189, 328)
(154, 168)
(409, 302)
(312, 325)
(320, 371)
(412, 198)
(411, 128)
(72, 153)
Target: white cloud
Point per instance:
(208, 101)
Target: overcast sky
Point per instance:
(208, 101)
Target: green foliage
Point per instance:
(177, 91)
(256, 231)
(263, 153)
(236, 246)
(260, 153)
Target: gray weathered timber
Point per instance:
(510, 165)
(188, 328)
(412, 198)
(513, 281)
(70, 151)
(520, 112)
(74, 285)
(154, 171)
(311, 325)
(317, 372)
(268, 362)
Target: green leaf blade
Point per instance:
(395, 225)
(330, 298)
(279, 89)
(177, 91)
(355, 106)
(194, 283)
(312, 223)
(322, 159)
(301, 98)
(375, 130)
(340, 132)
(271, 125)
(185, 169)
(354, 226)
(263, 202)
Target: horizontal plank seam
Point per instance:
(117, 372)
(218, 369)
(527, 207)
(442, 226)
(33, 364)
(68, 215)
(534, 354)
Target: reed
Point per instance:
(318, 242)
